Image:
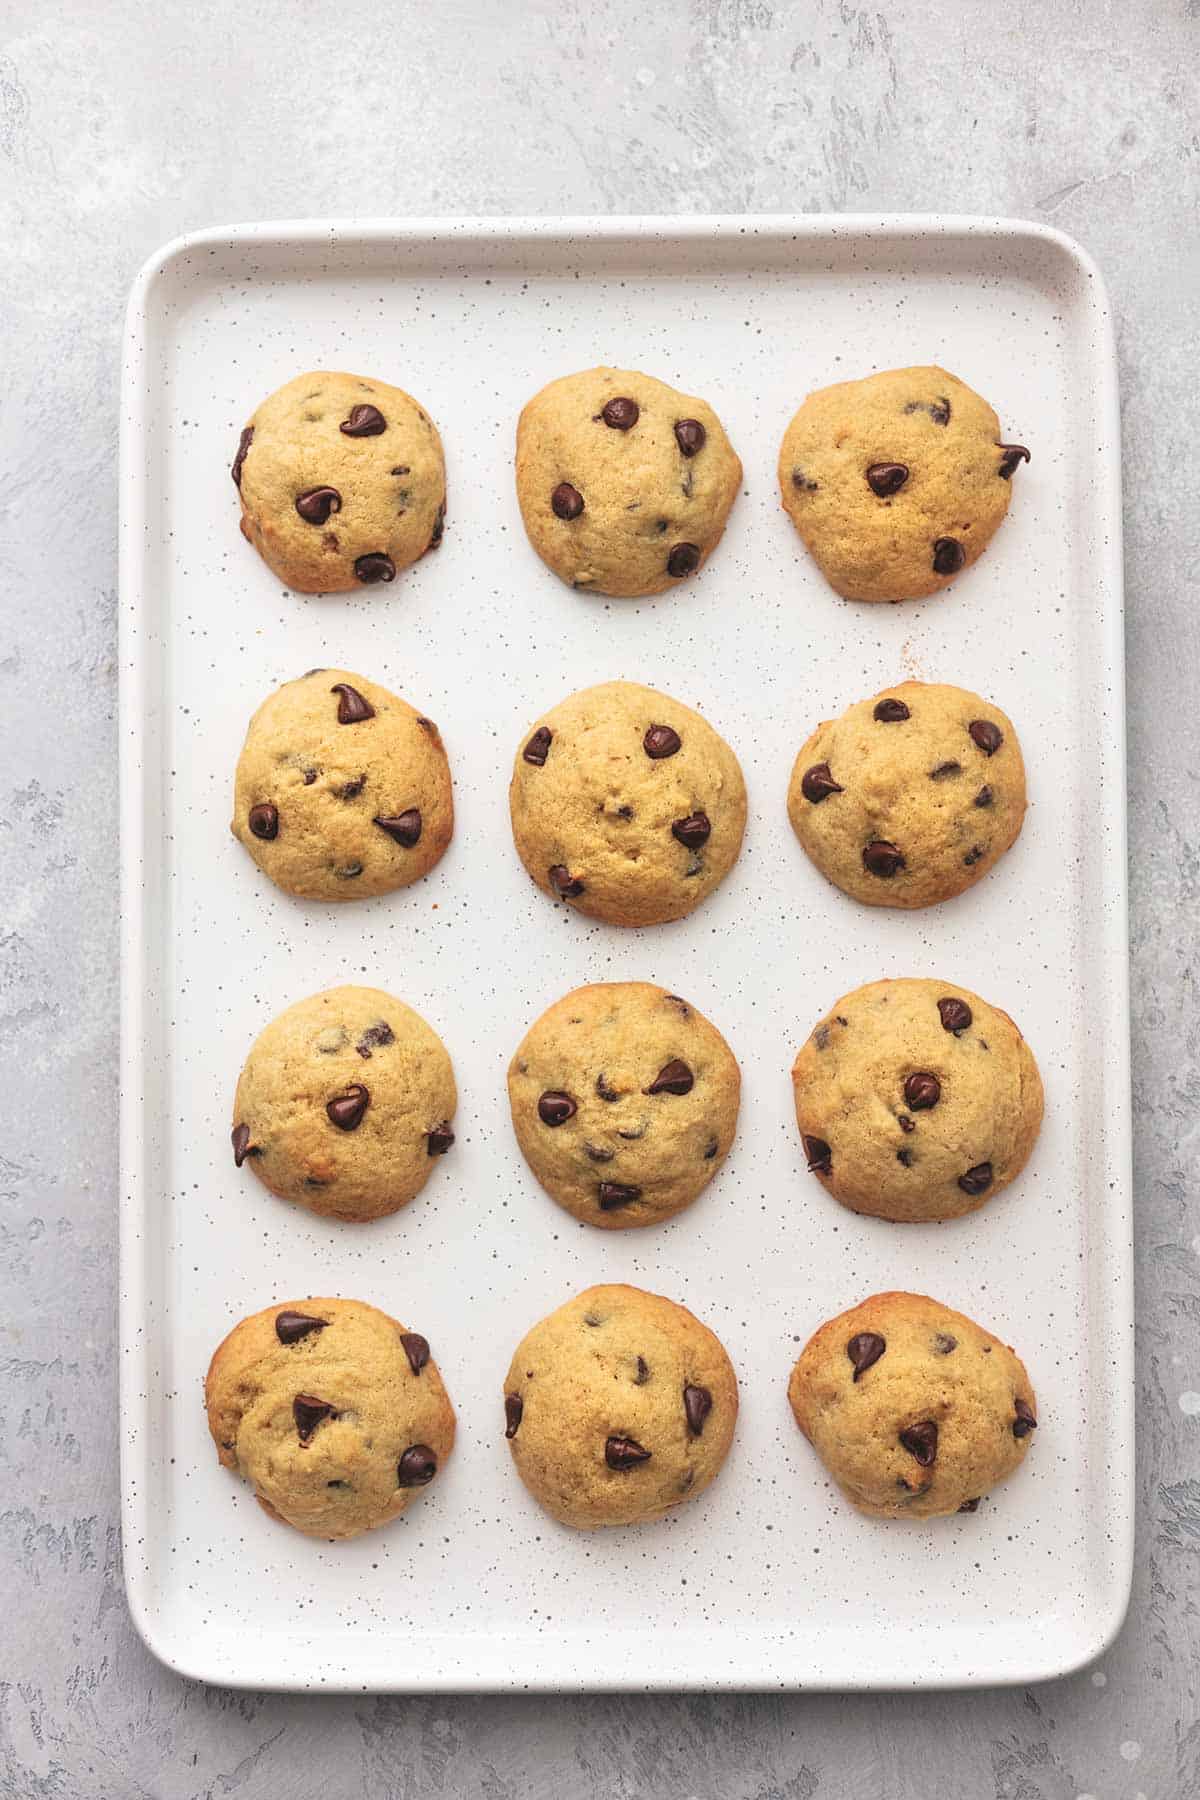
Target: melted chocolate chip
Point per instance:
(977, 1180)
(620, 414)
(989, 737)
(373, 567)
(922, 1090)
(984, 797)
(350, 790)
(955, 1015)
(623, 1453)
(352, 707)
(315, 504)
(374, 1037)
(944, 1343)
(290, 1327)
(939, 412)
(883, 859)
(948, 556)
(363, 421)
(347, 1110)
(693, 832)
(1011, 459)
(615, 1194)
(514, 1408)
(905, 1123)
(921, 1441)
(973, 855)
(886, 479)
(905, 1158)
(599, 1153)
(864, 1350)
(566, 502)
(439, 1139)
(660, 741)
(242, 1147)
(417, 1466)
(538, 748)
(1025, 1422)
(404, 829)
(263, 821)
(416, 1348)
(673, 1078)
(348, 871)
(683, 560)
(817, 784)
(802, 484)
(565, 885)
(697, 1404)
(244, 443)
(555, 1107)
(710, 1149)
(891, 712)
(309, 1412)
(602, 1088)
(439, 528)
(643, 1372)
(690, 435)
(944, 771)
(818, 1155)
(971, 1505)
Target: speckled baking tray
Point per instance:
(769, 1580)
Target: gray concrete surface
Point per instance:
(122, 124)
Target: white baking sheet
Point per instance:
(769, 1579)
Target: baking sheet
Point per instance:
(769, 1579)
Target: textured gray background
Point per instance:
(122, 124)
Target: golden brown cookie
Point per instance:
(624, 485)
(897, 482)
(345, 1103)
(915, 1410)
(333, 1412)
(617, 1407)
(341, 481)
(916, 1100)
(342, 789)
(627, 804)
(625, 1101)
(911, 796)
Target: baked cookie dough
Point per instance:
(333, 1412)
(617, 1407)
(342, 789)
(624, 485)
(914, 1409)
(910, 797)
(341, 481)
(916, 1100)
(345, 1104)
(896, 483)
(624, 1101)
(627, 804)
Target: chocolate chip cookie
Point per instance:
(916, 1100)
(342, 789)
(617, 1407)
(896, 483)
(341, 481)
(915, 1410)
(626, 804)
(624, 485)
(345, 1104)
(625, 1101)
(333, 1412)
(911, 796)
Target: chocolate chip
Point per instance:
(864, 1350)
(373, 1037)
(984, 797)
(885, 479)
(633, 1133)
(400, 469)
(891, 712)
(673, 1078)
(693, 832)
(690, 435)
(614, 1194)
(244, 443)
(363, 421)
(538, 748)
(971, 1505)
(599, 1153)
(316, 504)
(989, 737)
(352, 707)
(883, 859)
(621, 414)
(439, 1139)
(555, 1107)
(310, 1412)
(439, 528)
(350, 790)
(956, 1015)
(921, 1441)
(1014, 455)
(263, 821)
(922, 1090)
(623, 1453)
(1025, 1422)
(944, 1343)
(643, 1372)
(973, 855)
(347, 871)
(405, 828)
(290, 1327)
(565, 885)
(416, 1348)
(817, 784)
(802, 484)
(566, 502)
(514, 1408)
(948, 556)
(710, 1149)
(939, 412)
(242, 1147)
(346, 1110)
(373, 567)
(944, 771)
(818, 1155)
(977, 1180)
(660, 741)
(905, 1158)
(310, 775)
(905, 1123)
(697, 1404)
(602, 1088)
(683, 560)
(417, 1466)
